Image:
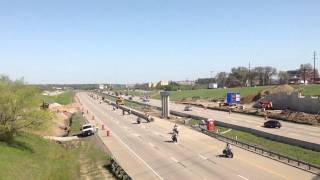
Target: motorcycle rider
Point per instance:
(228, 147)
(175, 129)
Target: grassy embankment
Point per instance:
(64, 98)
(32, 157)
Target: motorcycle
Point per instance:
(228, 153)
(138, 120)
(174, 138)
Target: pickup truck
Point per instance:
(87, 130)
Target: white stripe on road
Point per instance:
(173, 159)
(152, 145)
(205, 158)
(242, 177)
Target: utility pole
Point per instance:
(304, 75)
(314, 67)
(211, 75)
(250, 78)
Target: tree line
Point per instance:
(258, 76)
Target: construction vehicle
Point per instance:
(266, 104)
(44, 105)
(120, 101)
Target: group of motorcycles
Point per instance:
(227, 152)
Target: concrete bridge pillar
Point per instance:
(165, 104)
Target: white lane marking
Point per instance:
(152, 145)
(243, 177)
(137, 135)
(205, 158)
(156, 133)
(173, 159)
(143, 126)
(117, 122)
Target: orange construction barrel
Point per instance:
(210, 125)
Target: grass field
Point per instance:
(64, 98)
(32, 157)
(213, 93)
(313, 90)
(309, 90)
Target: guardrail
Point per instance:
(267, 153)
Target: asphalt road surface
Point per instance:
(297, 131)
(145, 151)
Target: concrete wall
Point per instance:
(295, 102)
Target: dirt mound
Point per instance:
(250, 98)
(278, 89)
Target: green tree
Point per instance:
(283, 77)
(19, 108)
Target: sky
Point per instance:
(135, 41)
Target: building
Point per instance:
(101, 86)
(187, 82)
(205, 80)
(151, 85)
(213, 86)
(302, 76)
(163, 83)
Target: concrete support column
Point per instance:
(165, 100)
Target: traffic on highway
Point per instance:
(192, 156)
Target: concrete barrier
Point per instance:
(132, 111)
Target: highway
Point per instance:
(145, 151)
(297, 131)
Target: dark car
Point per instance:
(272, 124)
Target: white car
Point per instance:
(87, 130)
